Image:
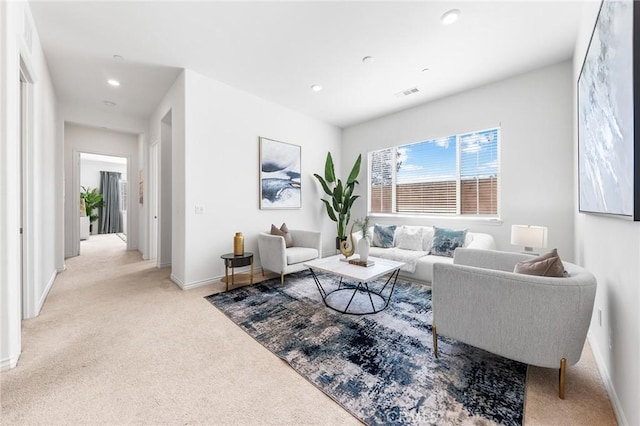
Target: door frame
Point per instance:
(28, 303)
(154, 175)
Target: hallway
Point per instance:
(118, 342)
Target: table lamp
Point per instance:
(529, 236)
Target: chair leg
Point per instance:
(435, 341)
(282, 278)
(562, 374)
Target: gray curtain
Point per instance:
(110, 218)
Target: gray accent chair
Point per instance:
(276, 257)
(541, 321)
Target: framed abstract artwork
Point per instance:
(280, 172)
(608, 132)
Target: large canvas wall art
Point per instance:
(607, 136)
(280, 172)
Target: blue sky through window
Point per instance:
(432, 160)
(435, 160)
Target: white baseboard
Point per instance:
(201, 283)
(62, 268)
(45, 293)
(9, 363)
(213, 280)
(164, 265)
(606, 379)
(177, 281)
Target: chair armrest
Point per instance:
(536, 320)
(311, 239)
(272, 250)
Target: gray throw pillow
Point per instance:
(547, 265)
(383, 235)
(446, 241)
(283, 232)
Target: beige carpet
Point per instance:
(118, 342)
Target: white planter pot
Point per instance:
(363, 249)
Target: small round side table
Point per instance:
(235, 261)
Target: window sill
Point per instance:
(475, 219)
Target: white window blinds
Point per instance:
(455, 175)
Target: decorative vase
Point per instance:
(238, 244)
(363, 249)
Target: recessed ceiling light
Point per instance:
(109, 103)
(118, 57)
(316, 87)
(450, 17)
(114, 83)
(367, 59)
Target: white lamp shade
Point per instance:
(529, 236)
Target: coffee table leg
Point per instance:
(373, 307)
(346, 310)
(251, 276)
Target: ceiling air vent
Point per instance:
(407, 92)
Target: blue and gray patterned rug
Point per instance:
(379, 367)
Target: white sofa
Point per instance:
(419, 263)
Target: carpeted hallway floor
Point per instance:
(118, 342)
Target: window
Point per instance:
(455, 175)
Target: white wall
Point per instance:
(173, 101)
(96, 141)
(222, 171)
(610, 249)
(534, 113)
(43, 172)
(90, 172)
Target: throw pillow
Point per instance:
(445, 241)
(383, 235)
(427, 238)
(547, 265)
(283, 232)
(409, 238)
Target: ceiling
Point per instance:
(278, 50)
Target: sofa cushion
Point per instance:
(409, 238)
(547, 265)
(383, 235)
(410, 258)
(300, 254)
(424, 268)
(445, 241)
(283, 232)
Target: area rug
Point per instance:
(379, 367)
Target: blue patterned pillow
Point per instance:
(445, 241)
(383, 235)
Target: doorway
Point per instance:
(165, 192)
(104, 198)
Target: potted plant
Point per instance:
(92, 200)
(341, 194)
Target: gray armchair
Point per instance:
(541, 321)
(276, 257)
